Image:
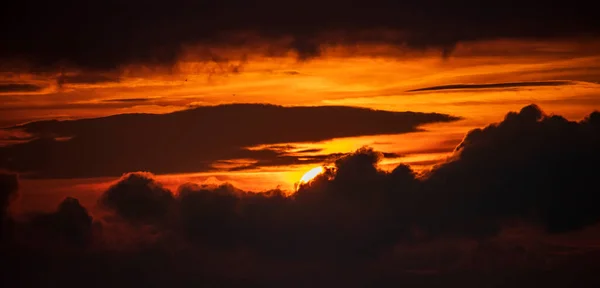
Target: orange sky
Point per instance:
(377, 77)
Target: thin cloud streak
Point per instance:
(493, 86)
(19, 87)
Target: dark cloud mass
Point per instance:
(494, 85)
(105, 35)
(191, 140)
(15, 87)
(88, 78)
(347, 226)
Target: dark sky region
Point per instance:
(457, 142)
(105, 34)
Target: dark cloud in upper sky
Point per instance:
(494, 85)
(106, 34)
(19, 87)
(191, 140)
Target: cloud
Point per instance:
(128, 100)
(354, 222)
(19, 87)
(268, 26)
(84, 78)
(70, 226)
(137, 197)
(493, 85)
(9, 186)
(530, 165)
(192, 140)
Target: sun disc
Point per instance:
(311, 174)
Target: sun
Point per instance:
(311, 174)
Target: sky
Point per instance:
(191, 123)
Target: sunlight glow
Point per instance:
(311, 174)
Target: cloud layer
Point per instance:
(107, 35)
(192, 140)
(531, 168)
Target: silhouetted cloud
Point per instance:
(138, 198)
(493, 85)
(19, 87)
(353, 223)
(9, 186)
(90, 39)
(86, 78)
(192, 140)
(70, 226)
(529, 165)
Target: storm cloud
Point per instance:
(110, 34)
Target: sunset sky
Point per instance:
(479, 82)
(97, 97)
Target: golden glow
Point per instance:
(336, 78)
(311, 174)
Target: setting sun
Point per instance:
(311, 174)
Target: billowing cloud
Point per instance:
(529, 165)
(138, 198)
(450, 226)
(192, 140)
(70, 226)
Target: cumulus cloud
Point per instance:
(448, 225)
(529, 165)
(68, 227)
(138, 197)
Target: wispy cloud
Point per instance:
(494, 85)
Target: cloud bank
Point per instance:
(531, 168)
(106, 36)
(192, 140)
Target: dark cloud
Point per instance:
(70, 226)
(494, 85)
(191, 140)
(82, 34)
(281, 156)
(128, 100)
(353, 224)
(9, 186)
(138, 198)
(311, 150)
(19, 87)
(529, 165)
(89, 78)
